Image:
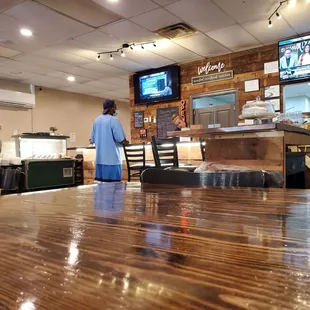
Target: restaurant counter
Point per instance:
(268, 147)
(188, 153)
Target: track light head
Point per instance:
(98, 57)
(142, 47)
(111, 57)
(122, 53)
(278, 15)
(270, 24)
(154, 44)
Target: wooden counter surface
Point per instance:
(239, 130)
(118, 246)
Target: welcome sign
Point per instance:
(210, 68)
(226, 75)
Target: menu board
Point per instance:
(139, 119)
(164, 122)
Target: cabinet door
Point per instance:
(223, 115)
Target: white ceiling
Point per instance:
(68, 34)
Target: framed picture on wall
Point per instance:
(138, 119)
(275, 102)
(251, 85)
(272, 91)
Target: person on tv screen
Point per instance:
(289, 60)
(178, 122)
(304, 59)
(167, 90)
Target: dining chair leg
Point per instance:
(129, 175)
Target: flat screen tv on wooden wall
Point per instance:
(294, 59)
(157, 85)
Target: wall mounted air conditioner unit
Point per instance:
(16, 100)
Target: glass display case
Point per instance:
(35, 146)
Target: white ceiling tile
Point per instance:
(61, 56)
(77, 48)
(85, 73)
(171, 50)
(102, 86)
(259, 29)
(86, 11)
(129, 32)
(63, 76)
(148, 58)
(9, 77)
(7, 52)
(297, 17)
(156, 19)
(47, 81)
(123, 62)
(128, 8)
(202, 14)
(202, 45)
(249, 10)
(43, 21)
(119, 82)
(164, 2)
(99, 41)
(22, 66)
(9, 30)
(6, 4)
(104, 68)
(233, 37)
(17, 73)
(42, 62)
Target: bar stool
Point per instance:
(135, 153)
(165, 152)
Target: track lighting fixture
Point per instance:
(120, 50)
(291, 4)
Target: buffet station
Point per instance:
(36, 161)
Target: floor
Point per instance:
(119, 246)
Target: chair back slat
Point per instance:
(134, 153)
(163, 148)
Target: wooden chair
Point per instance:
(135, 160)
(203, 149)
(165, 154)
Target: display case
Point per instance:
(36, 146)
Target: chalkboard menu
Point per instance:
(164, 122)
(139, 119)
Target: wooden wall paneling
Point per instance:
(245, 64)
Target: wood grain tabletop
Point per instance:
(127, 246)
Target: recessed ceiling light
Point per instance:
(71, 78)
(26, 32)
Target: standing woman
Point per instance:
(108, 136)
(304, 59)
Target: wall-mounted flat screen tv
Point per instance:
(157, 85)
(294, 59)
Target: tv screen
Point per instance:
(157, 85)
(294, 62)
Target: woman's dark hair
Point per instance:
(305, 48)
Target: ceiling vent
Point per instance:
(176, 31)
